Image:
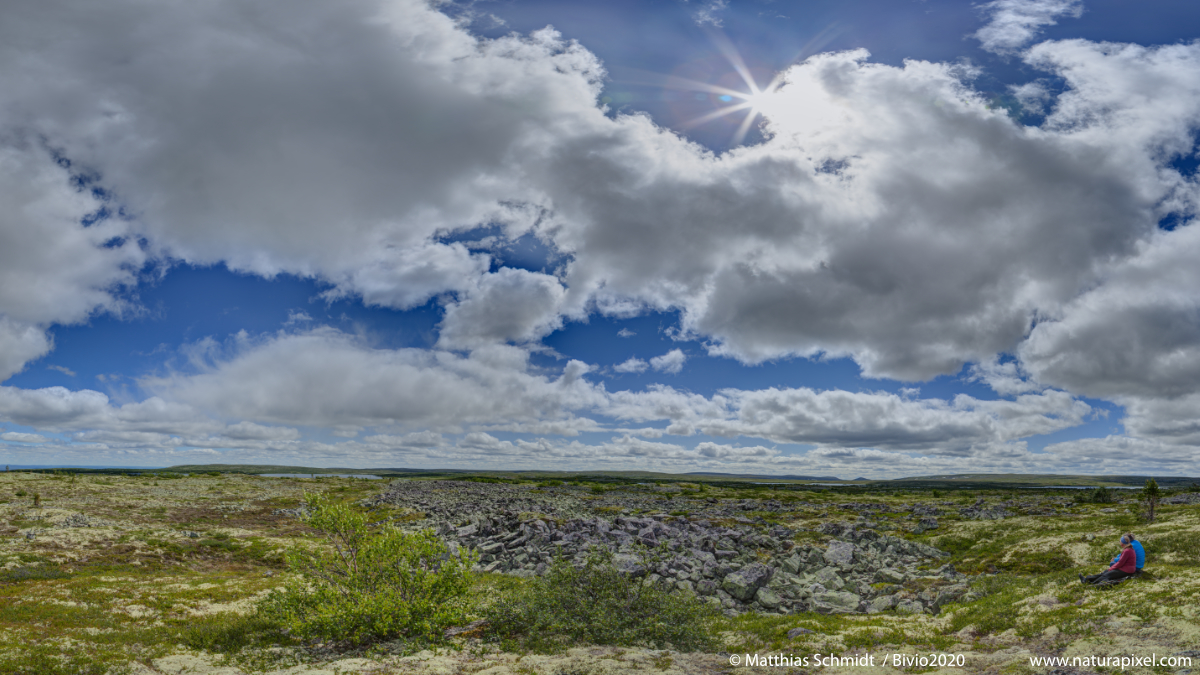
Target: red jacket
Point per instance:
(1127, 563)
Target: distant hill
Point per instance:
(744, 476)
(965, 481)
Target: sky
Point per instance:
(857, 238)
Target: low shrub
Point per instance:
(1100, 495)
(18, 574)
(229, 633)
(596, 603)
(373, 585)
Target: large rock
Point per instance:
(882, 603)
(889, 575)
(744, 583)
(840, 553)
(836, 602)
(829, 579)
(792, 565)
(767, 598)
(949, 594)
(925, 524)
(629, 565)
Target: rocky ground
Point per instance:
(708, 547)
(136, 575)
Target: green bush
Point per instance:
(596, 603)
(1100, 495)
(18, 574)
(369, 585)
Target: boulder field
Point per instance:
(735, 562)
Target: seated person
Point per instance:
(1125, 566)
(1137, 548)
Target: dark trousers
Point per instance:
(1108, 575)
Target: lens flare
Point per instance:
(753, 101)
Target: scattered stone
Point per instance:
(744, 583)
(840, 553)
(743, 564)
(925, 524)
(836, 602)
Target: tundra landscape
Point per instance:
(171, 572)
(633, 290)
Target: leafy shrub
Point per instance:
(373, 585)
(1100, 495)
(596, 603)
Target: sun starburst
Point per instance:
(754, 100)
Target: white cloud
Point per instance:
(511, 305)
(671, 362)
(631, 365)
(403, 278)
(326, 378)
(854, 419)
(20, 343)
(62, 369)
(18, 437)
(1014, 23)
(891, 217)
(89, 417)
(418, 439)
(1137, 335)
(709, 14)
(913, 258)
(52, 268)
(1006, 379)
(296, 317)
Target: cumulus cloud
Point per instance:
(1137, 335)
(631, 365)
(53, 269)
(18, 437)
(855, 419)
(295, 137)
(1014, 23)
(891, 216)
(324, 377)
(671, 362)
(858, 229)
(511, 305)
(913, 256)
(1006, 379)
(20, 343)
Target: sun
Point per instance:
(759, 101)
(754, 101)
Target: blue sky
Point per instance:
(856, 238)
